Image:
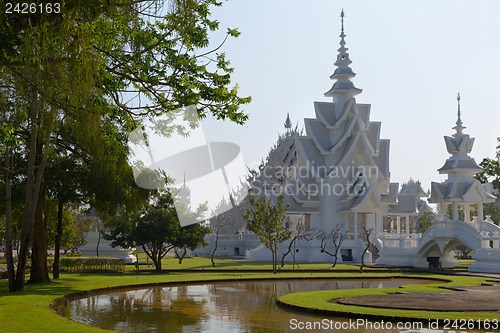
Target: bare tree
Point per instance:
(336, 236)
(219, 222)
(368, 232)
(302, 231)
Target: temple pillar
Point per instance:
(398, 225)
(441, 210)
(480, 212)
(355, 225)
(407, 224)
(467, 212)
(392, 224)
(379, 223)
(455, 211)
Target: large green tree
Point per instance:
(78, 68)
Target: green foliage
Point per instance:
(425, 221)
(157, 230)
(491, 173)
(66, 79)
(92, 264)
(491, 169)
(267, 220)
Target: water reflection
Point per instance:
(217, 307)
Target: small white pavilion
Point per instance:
(460, 190)
(464, 195)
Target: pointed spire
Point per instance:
(343, 74)
(342, 20)
(459, 124)
(288, 123)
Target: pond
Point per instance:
(221, 307)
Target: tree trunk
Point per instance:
(180, 257)
(39, 269)
(335, 257)
(97, 246)
(288, 252)
(57, 246)
(158, 262)
(33, 184)
(8, 223)
(274, 261)
(29, 203)
(215, 248)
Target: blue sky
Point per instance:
(411, 59)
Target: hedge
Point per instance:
(91, 264)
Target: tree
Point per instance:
(337, 236)
(78, 66)
(463, 251)
(302, 231)
(491, 169)
(157, 231)
(228, 216)
(368, 243)
(491, 172)
(266, 220)
(189, 237)
(425, 221)
(150, 230)
(222, 218)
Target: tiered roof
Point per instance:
(460, 167)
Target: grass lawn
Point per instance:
(30, 311)
(320, 300)
(202, 263)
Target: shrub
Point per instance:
(92, 264)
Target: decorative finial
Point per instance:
(459, 127)
(342, 20)
(288, 123)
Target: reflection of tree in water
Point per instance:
(147, 310)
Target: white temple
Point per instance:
(337, 174)
(342, 173)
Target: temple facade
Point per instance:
(336, 176)
(342, 177)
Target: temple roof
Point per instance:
(382, 159)
(368, 202)
(466, 191)
(327, 113)
(392, 196)
(309, 151)
(373, 134)
(413, 187)
(467, 163)
(316, 130)
(295, 207)
(299, 193)
(407, 204)
(364, 112)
